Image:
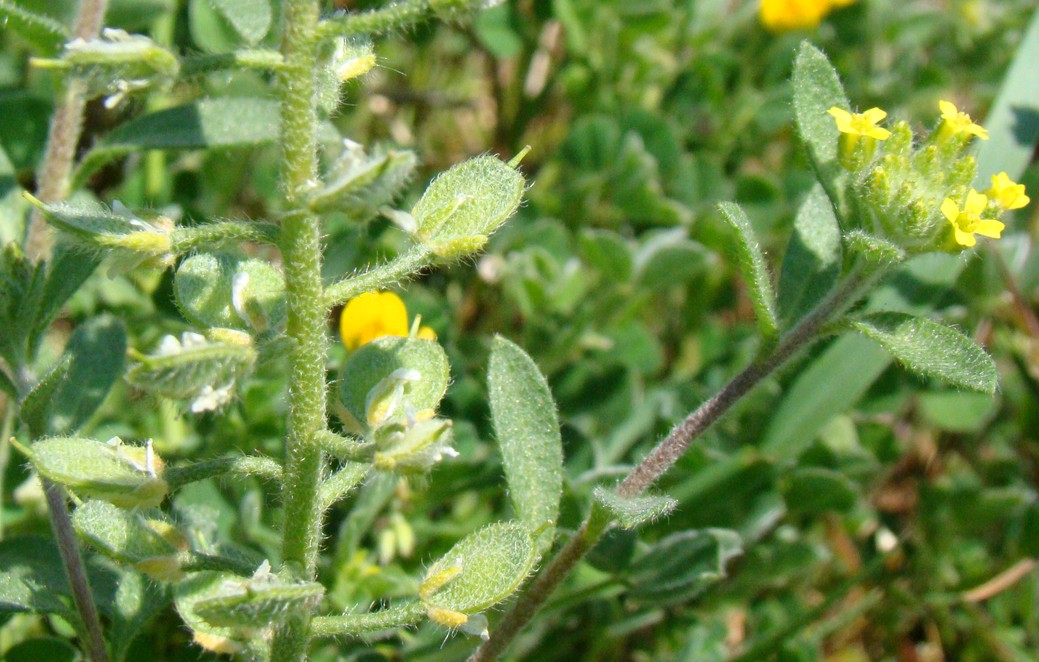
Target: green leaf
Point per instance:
(813, 258)
(232, 292)
(250, 18)
(207, 124)
(527, 428)
(609, 253)
(50, 648)
(121, 534)
(1013, 121)
(481, 570)
(68, 396)
(127, 476)
(633, 512)
(817, 89)
(67, 270)
(668, 258)
(815, 490)
(755, 273)
(832, 382)
(32, 577)
(465, 204)
(130, 604)
(375, 361)
(43, 32)
(956, 411)
(931, 349)
(682, 566)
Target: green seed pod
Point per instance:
(133, 238)
(470, 200)
(128, 537)
(204, 371)
(480, 571)
(222, 290)
(126, 476)
(359, 184)
(411, 449)
(423, 380)
(257, 601)
(116, 63)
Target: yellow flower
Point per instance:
(1007, 194)
(956, 122)
(860, 124)
(786, 15)
(967, 222)
(375, 315)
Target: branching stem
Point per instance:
(660, 459)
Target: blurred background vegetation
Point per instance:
(616, 277)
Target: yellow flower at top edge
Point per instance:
(960, 122)
(967, 222)
(1006, 193)
(860, 124)
(787, 15)
(374, 315)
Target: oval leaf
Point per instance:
(932, 350)
(527, 428)
(481, 570)
(813, 257)
(817, 89)
(755, 273)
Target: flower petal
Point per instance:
(949, 110)
(976, 203)
(963, 238)
(842, 117)
(874, 115)
(950, 210)
(989, 228)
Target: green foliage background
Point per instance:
(619, 278)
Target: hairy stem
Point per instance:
(395, 16)
(659, 460)
(65, 536)
(63, 135)
(246, 465)
(305, 324)
(354, 625)
(404, 266)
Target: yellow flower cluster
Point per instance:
(860, 129)
(787, 15)
(375, 315)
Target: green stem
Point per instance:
(260, 59)
(186, 239)
(404, 266)
(660, 459)
(247, 465)
(397, 16)
(305, 324)
(341, 482)
(355, 625)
